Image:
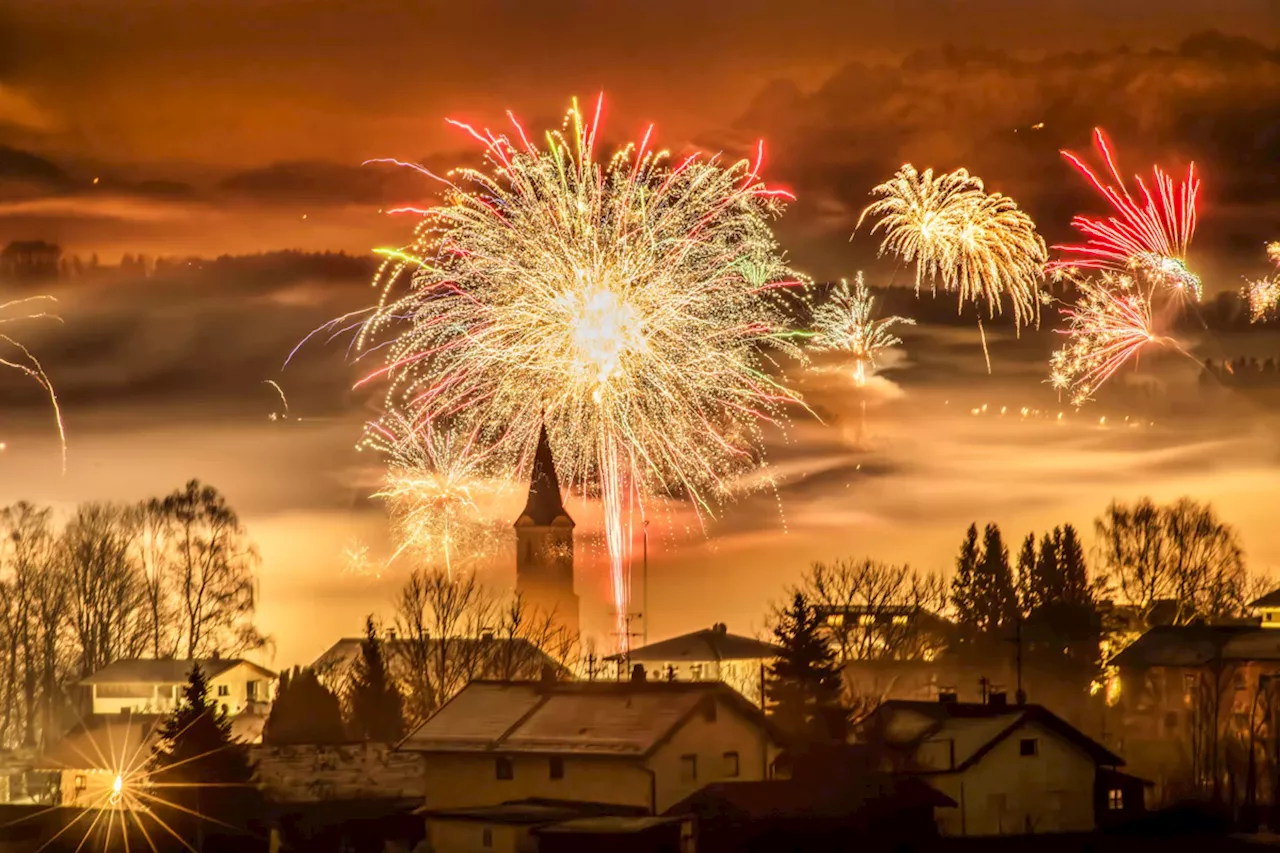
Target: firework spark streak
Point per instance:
(978, 245)
(630, 304)
(845, 323)
(18, 311)
(1148, 235)
(1109, 324)
(1263, 294)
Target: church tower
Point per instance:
(544, 545)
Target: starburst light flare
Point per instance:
(629, 304)
(976, 244)
(1110, 323)
(17, 311)
(1148, 235)
(845, 323)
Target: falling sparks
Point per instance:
(282, 415)
(846, 323)
(631, 305)
(1110, 322)
(431, 489)
(17, 311)
(976, 244)
(1263, 294)
(1148, 236)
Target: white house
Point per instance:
(712, 654)
(1011, 769)
(151, 686)
(645, 744)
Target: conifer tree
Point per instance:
(805, 685)
(304, 711)
(995, 601)
(377, 709)
(962, 584)
(1028, 598)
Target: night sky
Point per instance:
(239, 126)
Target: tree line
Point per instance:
(172, 576)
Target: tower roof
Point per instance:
(544, 505)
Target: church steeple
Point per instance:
(544, 545)
(544, 505)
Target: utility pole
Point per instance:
(644, 533)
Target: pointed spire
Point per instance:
(544, 505)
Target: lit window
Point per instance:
(866, 619)
(486, 838)
(688, 768)
(224, 689)
(695, 671)
(81, 784)
(1028, 747)
(900, 620)
(1115, 799)
(504, 769)
(835, 620)
(557, 767)
(730, 764)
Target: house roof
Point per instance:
(1271, 599)
(793, 798)
(1196, 645)
(544, 505)
(975, 729)
(534, 811)
(607, 825)
(614, 719)
(710, 644)
(496, 651)
(166, 670)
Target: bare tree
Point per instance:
(529, 639)
(152, 551)
(1180, 552)
(211, 563)
(105, 596)
(877, 611)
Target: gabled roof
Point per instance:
(975, 729)
(166, 670)
(792, 798)
(1271, 599)
(1197, 645)
(488, 654)
(710, 644)
(544, 505)
(616, 719)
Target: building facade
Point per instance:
(544, 546)
(150, 686)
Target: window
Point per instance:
(557, 767)
(688, 768)
(1115, 799)
(901, 619)
(730, 764)
(81, 784)
(695, 672)
(866, 619)
(224, 689)
(504, 769)
(835, 620)
(251, 689)
(486, 838)
(1028, 747)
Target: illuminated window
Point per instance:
(731, 768)
(81, 784)
(695, 671)
(688, 768)
(557, 767)
(900, 620)
(835, 620)
(1115, 799)
(1028, 747)
(866, 619)
(504, 769)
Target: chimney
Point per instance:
(548, 674)
(947, 697)
(720, 628)
(998, 699)
(391, 634)
(486, 637)
(638, 675)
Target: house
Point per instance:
(1181, 693)
(712, 654)
(637, 743)
(1267, 609)
(509, 827)
(154, 686)
(812, 812)
(484, 657)
(1010, 768)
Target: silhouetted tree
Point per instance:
(304, 711)
(376, 706)
(198, 767)
(804, 685)
(1028, 594)
(963, 589)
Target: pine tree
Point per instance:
(804, 686)
(1075, 573)
(995, 601)
(305, 711)
(1028, 598)
(377, 709)
(199, 768)
(962, 584)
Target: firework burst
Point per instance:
(1263, 294)
(1147, 236)
(629, 304)
(1110, 323)
(846, 323)
(976, 244)
(17, 311)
